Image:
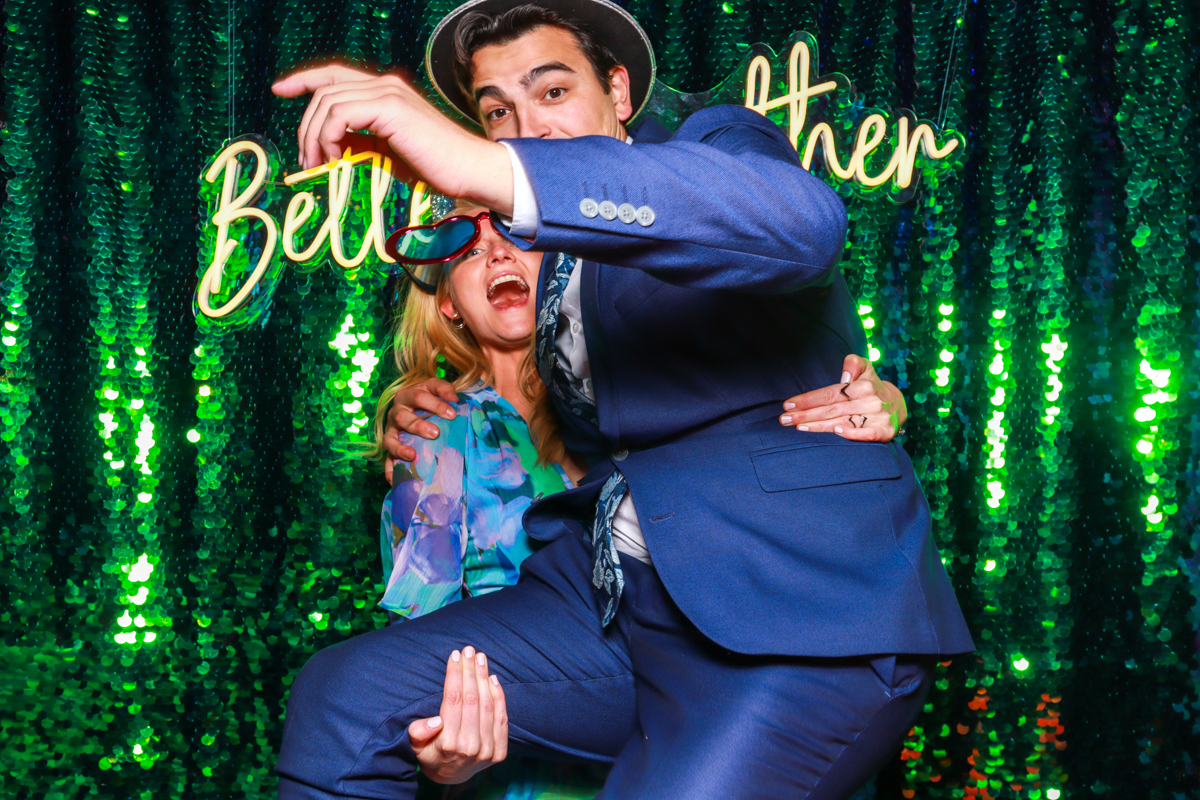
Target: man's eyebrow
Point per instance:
(526, 80)
(539, 71)
(488, 91)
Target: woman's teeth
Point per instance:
(506, 279)
(507, 290)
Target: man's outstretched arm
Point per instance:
(724, 204)
(732, 206)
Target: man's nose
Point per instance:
(532, 125)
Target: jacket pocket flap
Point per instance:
(808, 466)
(629, 300)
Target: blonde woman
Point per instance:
(451, 525)
(456, 511)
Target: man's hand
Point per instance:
(435, 396)
(471, 732)
(861, 407)
(447, 157)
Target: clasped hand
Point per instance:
(862, 407)
(471, 731)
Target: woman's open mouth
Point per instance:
(506, 291)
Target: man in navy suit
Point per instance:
(727, 607)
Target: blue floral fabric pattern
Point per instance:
(606, 574)
(453, 519)
(546, 357)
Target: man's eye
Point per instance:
(497, 113)
(555, 93)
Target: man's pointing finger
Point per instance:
(309, 80)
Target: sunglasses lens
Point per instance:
(437, 242)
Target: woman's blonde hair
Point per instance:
(422, 335)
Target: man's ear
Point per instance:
(618, 90)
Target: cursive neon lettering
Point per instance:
(758, 82)
(822, 134)
(871, 133)
(421, 202)
(340, 181)
(233, 208)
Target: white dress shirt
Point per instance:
(571, 346)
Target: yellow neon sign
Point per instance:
(238, 204)
(242, 227)
(341, 178)
(232, 208)
(873, 129)
(420, 205)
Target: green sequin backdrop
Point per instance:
(179, 532)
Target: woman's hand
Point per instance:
(433, 395)
(471, 732)
(861, 407)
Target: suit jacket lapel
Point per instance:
(590, 280)
(544, 274)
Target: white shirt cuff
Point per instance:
(525, 211)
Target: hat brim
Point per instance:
(610, 23)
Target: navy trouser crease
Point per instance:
(677, 715)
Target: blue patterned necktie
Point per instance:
(606, 573)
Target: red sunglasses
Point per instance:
(438, 243)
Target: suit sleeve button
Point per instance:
(608, 210)
(589, 208)
(645, 216)
(626, 213)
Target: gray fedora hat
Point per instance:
(612, 25)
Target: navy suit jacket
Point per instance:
(698, 326)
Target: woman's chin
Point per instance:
(504, 332)
(516, 338)
(505, 323)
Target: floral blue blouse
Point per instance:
(453, 519)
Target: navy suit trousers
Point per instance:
(676, 715)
